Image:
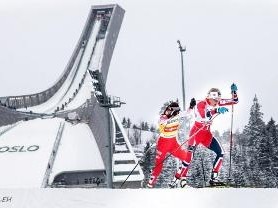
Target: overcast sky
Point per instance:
(227, 41)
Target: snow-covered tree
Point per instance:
(168, 171)
(152, 128)
(147, 128)
(124, 123)
(254, 134)
(128, 123)
(238, 163)
(268, 152)
(147, 161)
(200, 167)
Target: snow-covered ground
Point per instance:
(138, 198)
(4, 129)
(78, 151)
(25, 152)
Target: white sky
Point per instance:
(235, 41)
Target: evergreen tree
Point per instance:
(137, 135)
(124, 123)
(147, 128)
(272, 133)
(168, 171)
(269, 151)
(238, 167)
(254, 133)
(264, 161)
(200, 167)
(225, 143)
(152, 129)
(148, 161)
(142, 125)
(128, 123)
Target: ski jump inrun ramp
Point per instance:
(60, 137)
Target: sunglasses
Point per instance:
(173, 109)
(214, 96)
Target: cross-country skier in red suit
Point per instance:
(200, 133)
(167, 143)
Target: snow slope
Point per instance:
(138, 198)
(26, 151)
(78, 151)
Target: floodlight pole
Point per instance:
(182, 49)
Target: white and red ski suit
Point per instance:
(200, 134)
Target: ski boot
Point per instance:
(151, 182)
(178, 183)
(144, 184)
(183, 182)
(149, 186)
(174, 183)
(214, 181)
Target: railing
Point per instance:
(9, 128)
(24, 101)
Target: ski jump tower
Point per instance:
(69, 135)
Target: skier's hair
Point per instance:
(173, 107)
(215, 90)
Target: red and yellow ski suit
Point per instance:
(167, 143)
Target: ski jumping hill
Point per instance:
(65, 135)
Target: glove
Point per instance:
(233, 88)
(222, 110)
(192, 103)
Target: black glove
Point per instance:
(192, 103)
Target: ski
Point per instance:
(223, 185)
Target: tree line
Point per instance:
(143, 125)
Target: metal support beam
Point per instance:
(109, 171)
(107, 102)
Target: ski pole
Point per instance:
(130, 173)
(231, 142)
(136, 165)
(203, 169)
